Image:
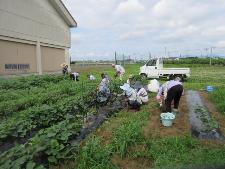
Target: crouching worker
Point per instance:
(143, 95)
(103, 92)
(120, 71)
(134, 102)
(141, 92)
(172, 91)
(64, 68)
(75, 76)
(90, 77)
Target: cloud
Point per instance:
(130, 7)
(76, 38)
(140, 26)
(221, 44)
(215, 31)
(132, 35)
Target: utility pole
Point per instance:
(115, 59)
(165, 52)
(123, 60)
(206, 49)
(211, 52)
(168, 54)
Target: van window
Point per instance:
(151, 63)
(160, 61)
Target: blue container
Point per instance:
(209, 88)
(167, 119)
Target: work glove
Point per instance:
(158, 98)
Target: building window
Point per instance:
(17, 66)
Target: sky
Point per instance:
(140, 28)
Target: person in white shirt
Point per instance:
(75, 76)
(134, 102)
(141, 92)
(120, 71)
(91, 77)
(143, 95)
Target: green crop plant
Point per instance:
(209, 122)
(51, 143)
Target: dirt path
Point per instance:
(129, 163)
(181, 126)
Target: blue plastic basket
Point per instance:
(167, 119)
(209, 88)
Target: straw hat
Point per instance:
(63, 64)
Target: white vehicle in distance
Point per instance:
(154, 69)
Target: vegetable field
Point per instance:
(42, 115)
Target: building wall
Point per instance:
(34, 20)
(14, 53)
(52, 58)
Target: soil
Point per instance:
(131, 163)
(181, 126)
(106, 132)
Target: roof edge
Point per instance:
(64, 13)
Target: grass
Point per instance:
(94, 156)
(177, 152)
(126, 138)
(218, 97)
(168, 152)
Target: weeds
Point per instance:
(94, 156)
(126, 135)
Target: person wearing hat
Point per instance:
(119, 71)
(64, 68)
(134, 102)
(103, 92)
(172, 91)
(130, 79)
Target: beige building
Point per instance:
(34, 36)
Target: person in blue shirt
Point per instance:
(103, 92)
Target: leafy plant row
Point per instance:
(49, 146)
(7, 108)
(14, 94)
(43, 116)
(31, 81)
